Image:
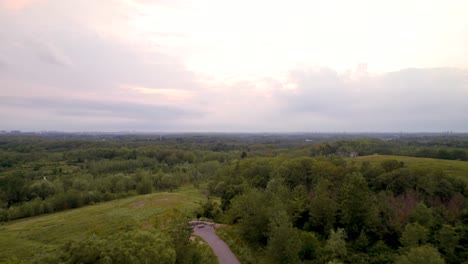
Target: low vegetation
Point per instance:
(91, 234)
(453, 168)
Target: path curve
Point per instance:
(220, 248)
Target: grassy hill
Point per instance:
(454, 168)
(27, 237)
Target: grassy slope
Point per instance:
(451, 167)
(26, 237)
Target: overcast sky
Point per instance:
(234, 66)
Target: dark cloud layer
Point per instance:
(85, 108)
(105, 115)
(409, 100)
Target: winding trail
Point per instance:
(220, 248)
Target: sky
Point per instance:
(234, 66)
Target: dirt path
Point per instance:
(221, 249)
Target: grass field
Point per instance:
(26, 237)
(454, 168)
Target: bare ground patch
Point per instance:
(143, 203)
(137, 204)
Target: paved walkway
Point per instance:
(221, 249)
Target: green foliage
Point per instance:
(355, 204)
(282, 197)
(421, 255)
(297, 206)
(335, 261)
(422, 215)
(297, 172)
(201, 253)
(13, 189)
(362, 242)
(179, 230)
(210, 209)
(252, 213)
(209, 168)
(457, 169)
(243, 155)
(414, 235)
(284, 242)
(38, 237)
(390, 165)
(310, 245)
(381, 253)
(145, 186)
(176, 225)
(448, 239)
(123, 247)
(323, 207)
(42, 189)
(14, 260)
(245, 252)
(335, 245)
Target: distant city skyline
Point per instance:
(242, 66)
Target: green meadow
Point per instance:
(26, 237)
(454, 168)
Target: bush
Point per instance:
(425, 254)
(125, 247)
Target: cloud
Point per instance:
(63, 75)
(16, 5)
(3, 66)
(50, 54)
(62, 50)
(410, 99)
(81, 112)
(320, 100)
(149, 65)
(93, 62)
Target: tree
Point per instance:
(390, 165)
(284, 243)
(209, 209)
(336, 244)
(42, 189)
(297, 206)
(243, 155)
(323, 207)
(252, 212)
(179, 230)
(414, 235)
(355, 204)
(422, 215)
(448, 241)
(310, 245)
(145, 186)
(13, 189)
(297, 171)
(421, 255)
(381, 253)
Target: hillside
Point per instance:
(26, 237)
(454, 168)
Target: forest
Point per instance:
(300, 198)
